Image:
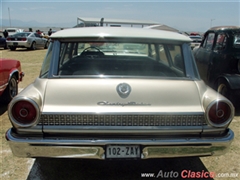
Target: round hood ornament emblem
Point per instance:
(123, 90)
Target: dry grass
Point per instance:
(228, 163)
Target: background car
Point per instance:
(10, 75)
(194, 34)
(12, 31)
(3, 43)
(119, 93)
(196, 41)
(218, 61)
(29, 40)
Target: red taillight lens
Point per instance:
(24, 39)
(8, 39)
(219, 113)
(24, 112)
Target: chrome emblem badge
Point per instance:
(123, 90)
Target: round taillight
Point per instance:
(219, 113)
(24, 113)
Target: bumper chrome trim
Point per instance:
(94, 148)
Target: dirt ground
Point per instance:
(13, 168)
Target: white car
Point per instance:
(12, 31)
(196, 41)
(119, 93)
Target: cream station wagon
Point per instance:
(118, 92)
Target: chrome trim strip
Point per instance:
(190, 65)
(94, 147)
(147, 130)
(3, 86)
(124, 113)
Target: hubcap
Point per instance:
(13, 87)
(34, 45)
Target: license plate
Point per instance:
(15, 44)
(123, 151)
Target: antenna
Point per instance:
(9, 17)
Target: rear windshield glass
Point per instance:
(23, 34)
(120, 59)
(12, 30)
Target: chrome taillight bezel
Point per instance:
(227, 121)
(15, 122)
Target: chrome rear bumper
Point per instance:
(95, 148)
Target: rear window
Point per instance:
(11, 30)
(120, 59)
(24, 34)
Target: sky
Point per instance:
(184, 15)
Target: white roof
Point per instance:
(116, 21)
(119, 32)
(162, 27)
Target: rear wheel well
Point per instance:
(16, 74)
(221, 79)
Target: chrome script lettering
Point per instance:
(106, 103)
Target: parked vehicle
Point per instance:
(196, 41)
(10, 75)
(119, 93)
(194, 34)
(12, 31)
(3, 43)
(218, 61)
(29, 40)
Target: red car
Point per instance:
(10, 75)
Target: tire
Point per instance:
(33, 46)
(5, 47)
(12, 48)
(46, 45)
(11, 90)
(223, 88)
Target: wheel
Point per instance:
(33, 46)
(11, 90)
(223, 88)
(46, 45)
(12, 48)
(5, 47)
